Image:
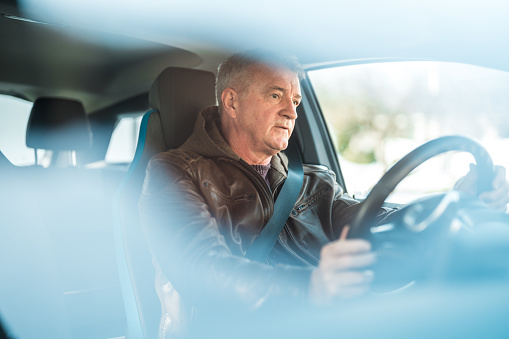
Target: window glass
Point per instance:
(14, 114)
(124, 140)
(377, 113)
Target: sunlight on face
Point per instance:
(267, 109)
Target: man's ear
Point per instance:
(229, 99)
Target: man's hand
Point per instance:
(497, 198)
(342, 273)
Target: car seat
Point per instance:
(176, 96)
(77, 215)
(31, 286)
(59, 125)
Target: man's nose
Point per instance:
(290, 109)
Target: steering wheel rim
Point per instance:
(364, 219)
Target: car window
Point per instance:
(14, 114)
(377, 113)
(124, 139)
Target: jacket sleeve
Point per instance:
(185, 241)
(345, 208)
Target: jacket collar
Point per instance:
(207, 141)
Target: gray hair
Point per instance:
(231, 73)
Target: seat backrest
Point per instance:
(76, 212)
(179, 94)
(31, 285)
(176, 96)
(58, 124)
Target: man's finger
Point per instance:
(500, 176)
(490, 196)
(349, 278)
(344, 232)
(352, 291)
(348, 262)
(500, 203)
(342, 247)
(344, 284)
(466, 184)
(500, 193)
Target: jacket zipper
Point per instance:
(303, 251)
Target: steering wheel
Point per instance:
(364, 219)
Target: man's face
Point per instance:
(267, 108)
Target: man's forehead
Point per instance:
(274, 76)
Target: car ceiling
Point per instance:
(106, 51)
(50, 60)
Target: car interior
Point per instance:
(73, 257)
(175, 97)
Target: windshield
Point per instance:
(377, 113)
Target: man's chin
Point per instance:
(281, 146)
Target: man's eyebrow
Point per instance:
(277, 88)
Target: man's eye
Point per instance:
(296, 103)
(275, 96)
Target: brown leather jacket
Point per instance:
(202, 207)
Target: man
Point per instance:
(205, 203)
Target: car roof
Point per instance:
(105, 52)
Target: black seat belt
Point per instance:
(285, 201)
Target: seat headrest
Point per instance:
(179, 94)
(58, 124)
